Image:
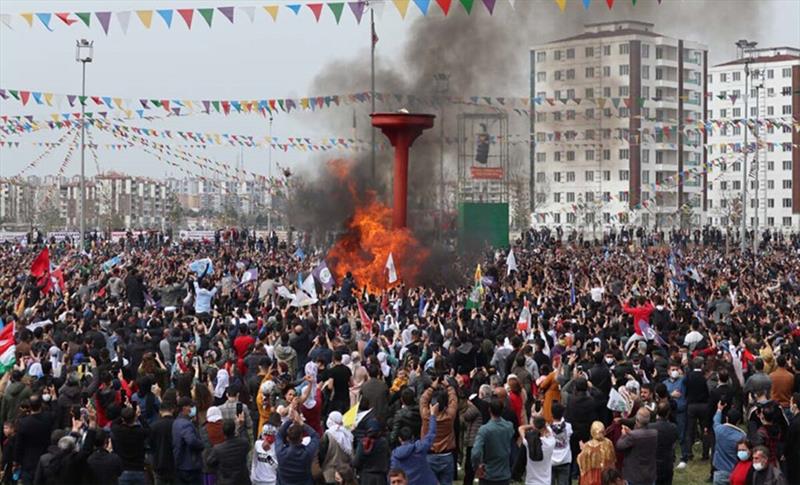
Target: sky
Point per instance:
(267, 59)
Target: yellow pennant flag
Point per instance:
(272, 10)
(118, 102)
(20, 306)
(349, 418)
(402, 7)
(28, 18)
(55, 116)
(146, 16)
(188, 104)
(48, 98)
(562, 4)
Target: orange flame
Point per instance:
(365, 247)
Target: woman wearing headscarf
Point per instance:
(596, 455)
(336, 447)
(359, 378)
(372, 455)
(211, 434)
(56, 357)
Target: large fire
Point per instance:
(365, 247)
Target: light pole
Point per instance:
(745, 45)
(442, 86)
(269, 176)
(756, 161)
(84, 51)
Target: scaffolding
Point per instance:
(483, 182)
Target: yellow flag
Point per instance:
(272, 10)
(478, 274)
(562, 4)
(349, 418)
(402, 7)
(20, 306)
(146, 16)
(118, 102)
(48, 98)
(28, 18)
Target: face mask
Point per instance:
(193, 412)
(636, 366)
(758, 466)
(674, 374)
(743, 454)
(609, 361)
(46, 397)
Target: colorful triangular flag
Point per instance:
(207, 14)
(402, 7)
(316, 8)
(187, 14)
(423, 5)
(227, 12)
(336, 8)
(146, 17)
(124, 19)
(105, 20)
(167, 16)
(358, 10)
(444, 5)
(467, 4)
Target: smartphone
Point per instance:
(239, 408)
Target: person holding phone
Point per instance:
(234, 407)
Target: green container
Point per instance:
(482, 223)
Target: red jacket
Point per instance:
(640, 314)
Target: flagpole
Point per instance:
(372, 80)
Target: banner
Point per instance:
(14, 237)
(62, 235)
(196, 235)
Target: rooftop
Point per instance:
(612, 29)
(765, 55)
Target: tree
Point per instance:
(49, 217)
(176, 216)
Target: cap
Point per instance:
(213, 415)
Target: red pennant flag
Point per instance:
(444, 5)
(24, 95)
(610, 3)
(365, 321)
(187, 13)
(41, 265)
(65, 18)
(165, 104)
(316, 8)
(226, 107)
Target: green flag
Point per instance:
(474, 301)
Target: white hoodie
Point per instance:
(264, 470)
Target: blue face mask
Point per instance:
(743, 455)
(193, 412)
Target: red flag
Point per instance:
(374, 35)
(41, 265)
(385, 303)
(58, 278)
(365, 321)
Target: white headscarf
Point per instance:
(311, 370)
(223, 381)
(385, 369)
(55, 360)
(35, 370)
(339, 433)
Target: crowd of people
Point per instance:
(569, 361)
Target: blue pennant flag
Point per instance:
(295, 7)
(166, 15)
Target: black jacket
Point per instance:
(160, 441)
(104, 468)
(372, 456)
(581, 413)
(128, 444)
(33, 438)
(135, 290)
(600, 377)
(406, 416)
(665, 449)
(229, 461)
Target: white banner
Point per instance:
(196, 235)
(13, 236)
(61, 235)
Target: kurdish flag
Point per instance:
(475, 296)
(7, 348)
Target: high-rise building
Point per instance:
(608, 112)
(773, 145)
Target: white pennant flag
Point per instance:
(124, 19)
(250, 12)
(511, 262)
(377, 7)
(392, 269)
(5, 19)
(512, 2)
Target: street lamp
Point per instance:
(84, 52)
(745, 45)
(441, 83)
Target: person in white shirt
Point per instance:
(562, 454)
(264, 469)
(539, 444)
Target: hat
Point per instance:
(213, 414)
(269, 429)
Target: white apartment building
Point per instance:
(608, 145)
(773, 161)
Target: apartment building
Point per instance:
(770, 106)
(609, 146)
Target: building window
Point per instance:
(606, 71)
(570, 73)
(571, 175)
(606, 175)
(589, 197)
(645, 177)
(570, 218)
(557, 176)
(623, 48)
(589, 52)
(570, 197)
(623, 154)
(557, 55)
(786, 91)
(589, 175)
(540, 177)
(737, 112)
(786, 72)
(589, 72)
(770, 166)
(570, 158)
(557, 218)
(588, 93)
(770, 221)
(589, 155)
(571, 53)
(770, 110)
(624, 175)
(787, 221)
(645, 51)
(737, 76)
(737, 185)
(770, 74)
(541, 198)
(606, 50)
(589, 134)
(541, 157)
(607, 155)
(659, 74)
(557, 115)
(710, 203)
(787, 164)
(557, 75)
(723, 77)
(770, 203)
(624, 70)
(541, 56)
(623, 196)
(541, 117)
(787, 184)
(645, 72)
(623, 112)
(770, 184)
(787, 203)
(570, 94)
(570, 112)
(787, 109)
(541, 76)
(623, 91)
(557, 197)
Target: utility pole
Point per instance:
(373, 40)
(84, 50)
(269, 176)
(745, 45)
